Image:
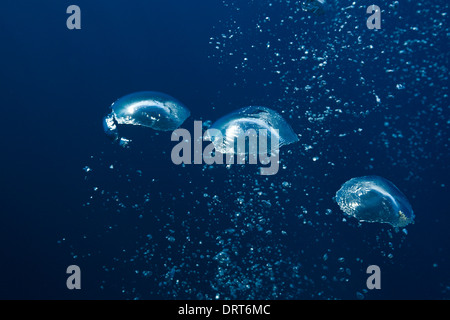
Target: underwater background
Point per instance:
(363, 102)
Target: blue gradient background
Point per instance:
(56, 85)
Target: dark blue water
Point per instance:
(145, 228)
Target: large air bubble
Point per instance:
(375, 199)
(238, 124)
(315, 6)
(154, 110)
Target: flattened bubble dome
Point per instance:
(237, 123)
(155, 110)
(375, 199)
